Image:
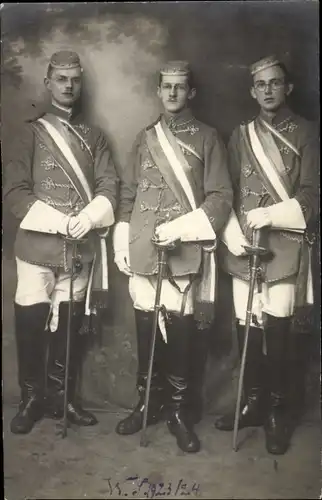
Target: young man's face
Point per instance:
(270, 89)
(65, 85)
(174, 93)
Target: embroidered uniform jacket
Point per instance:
(146, 199)
(33, 174)
(250, 193)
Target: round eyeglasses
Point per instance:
(273, 84)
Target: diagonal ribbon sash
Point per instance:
(60, 139)
(188, 148)
(161, 160)
(76, 143)
(56, 141)
(281, 137)
(304, 281)
(177, 173)
(273, 153)
(60, 158)
(267, 166)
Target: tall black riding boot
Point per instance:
(133, 423)
(30, 324)
(57, 368)
(178, 421)
(253, 407)
(198, 353)
(299, 351)
(277, 429)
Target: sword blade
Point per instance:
(254, 264)
(69, 324)
(161, 267)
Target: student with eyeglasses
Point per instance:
(274, 167)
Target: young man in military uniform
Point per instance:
(176, 186)
(274, 167)
(61, 185)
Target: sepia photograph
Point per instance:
(161, 304)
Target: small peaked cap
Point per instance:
(65, 59)
(176, 68)
(266, 62)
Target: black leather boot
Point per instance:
(299, 352)
(277, 425)
(134, 422)
(178, 420)
(30, 324)
(253, 407)
(57, 366)
(199, 346)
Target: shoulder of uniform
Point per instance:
(34, 112)
(204, 128)
(302, 122)
(247, 121)
(152, 124)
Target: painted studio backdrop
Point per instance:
(122, 47)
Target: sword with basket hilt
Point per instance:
(76, 267)
(162, 266)
(255, 252)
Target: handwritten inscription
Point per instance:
(134, 486)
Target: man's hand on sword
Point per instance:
(258, 218)
(79, 225)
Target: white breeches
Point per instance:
(37, 284)
(143, 290)
(276, 299)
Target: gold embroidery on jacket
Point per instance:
(49, 184)
(48, 164)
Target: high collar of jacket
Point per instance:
(178, 119)
(284, 113)
(71, 115)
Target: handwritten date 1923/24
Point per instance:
(133, 486)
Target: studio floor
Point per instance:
(96, 463)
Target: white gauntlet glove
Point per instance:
(121, 247)
(79, 225)
(287, 215)
(45, 219)
(193, 226)
(233, 236)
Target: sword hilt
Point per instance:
(255, 248)
(76, 259)
(165, 246)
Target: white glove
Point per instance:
(62, 226)
(193, 226)
(121, 247)
(45, 219)
(287, 215)
(100, 212)
(237, 247)
(233, 236)
(79, 225)
(258, 218)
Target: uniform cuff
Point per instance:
(100, 211)
(287, 215)
(121, 237)
(232, 231)
(194, 226)
(45, 219)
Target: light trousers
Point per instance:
(36, 284)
